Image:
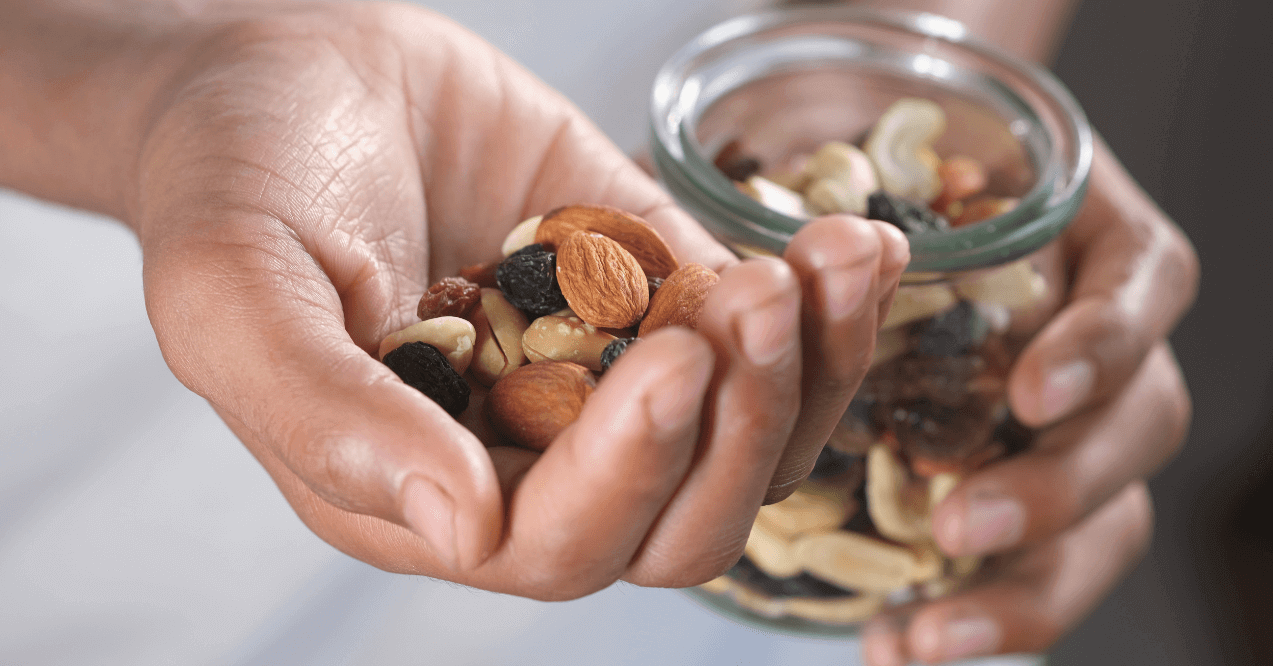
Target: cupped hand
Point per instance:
(312, 169)
(1067, 517)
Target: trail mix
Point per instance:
(576, 287)
(857, 535)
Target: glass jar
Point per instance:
(767, 91)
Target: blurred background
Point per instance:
(135, 529)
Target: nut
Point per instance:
(489, 361)
(483, 274)
(507, 323)
(452, 336)
(522, 235)
(961, 177)
(679, 302)
(449, 297)
(915, 302)
(602, 282)
(771, 552)
(836, 611)
(889, 344)
(534, 403)
(554, 338)
(814, 507)
(1014, 286)
(984, 208)
(900, 145)
(858, 562)
(634, 234)
(893, 517)
(775, 197)
(842, 179)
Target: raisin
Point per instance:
(802, 585)
(483, 274)
(1014, 435)
(735, 164)
(423, 367)
(833, 462)
(653, 283)
(614, 350)
(528, 278)
(941, 432)
(955, 332)
(449, 297)
(903, 214)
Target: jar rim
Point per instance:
(1062, 146)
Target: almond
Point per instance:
(680, 300)
(633, 233)
(601, 281)
(534, 403)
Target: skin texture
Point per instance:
(298, 174)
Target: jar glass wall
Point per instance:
(775, 88)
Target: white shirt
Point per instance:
(135, 529)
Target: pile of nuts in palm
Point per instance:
(576, 286)
(857, 536)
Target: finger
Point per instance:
(1074, 468)
(751, 318)
(583, 509)
(1136, 275)
(1031, 601)
(253, 325)
(849, 269)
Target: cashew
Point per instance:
(900, 145)
(885, 477)
(771, 552)
(775, 197)
(939, 487)
(859, 562)
(813, 507)
(915, 302)
(1014, 286)
(565, 338)
(452, 336)
(842, 179)
(836, 611)
(522, 235)
(718, 585)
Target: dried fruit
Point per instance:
(449, 297)
(483, 274)
(984, 208)
(426, 369)
(452, 336)
(602, 282)
(952, 333)
(614, 350)
(961, 177)
(903, 214)
(528, 278)
(534, 403)
(679, 302)
(634, 234)
(735, 163)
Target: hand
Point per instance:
(1069, 516)
(307, 175)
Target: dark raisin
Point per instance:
(614, 350)
(735, 164)
(955, 332)
(423, 367)
(833, 462)
(860, 521)
(802, 585)
(903, 214)
(653, 283)
(941, 432)
(1014, 435)
(528, 278)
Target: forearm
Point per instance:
(1029, 28)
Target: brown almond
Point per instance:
(601, 281)
(679, 302)
(633, 233)
(534, 403)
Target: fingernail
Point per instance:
(969, 637)
(671, 410)
(1066, 387)
(769, 331)
(844, 291)
(881, 645)
(992, 523)
(430, 513)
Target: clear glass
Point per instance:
(856, 537)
